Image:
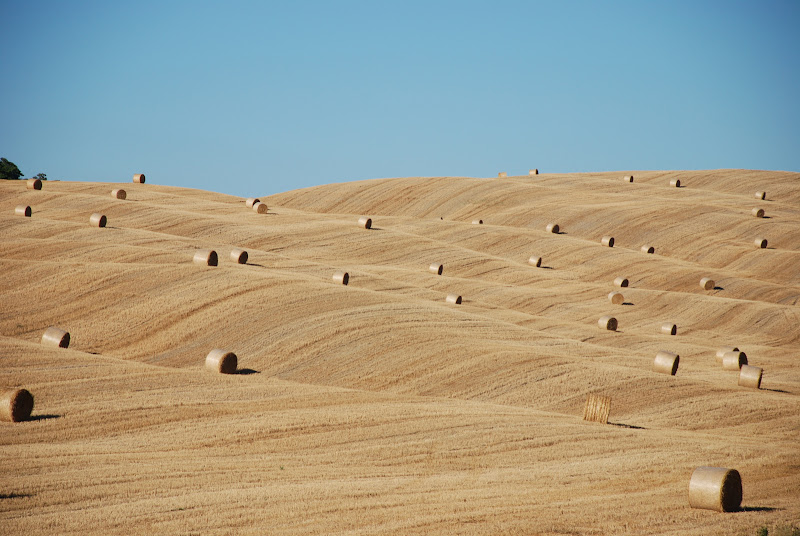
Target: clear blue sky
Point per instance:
(252, 98)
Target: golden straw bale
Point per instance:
(119, 194)
(33, 184)
(139, 178)
(57, 337)
(250, 201)
(628, 178)
(761, 195)
(760, 242)
(750, 376)
(757, 212)
(621, 281)
(553, 228)
(260, 208)
(724, 350)
(675, 183)
(97, 220)
(733, 360)
(666, 362)
(607, 241)
(15, 405)
(535, 261)
(477, 222)
(502, 175)
(715, 488)
(221, 361)
(597, 408)
(669, 329)
(206, 257)
(436, 268)
(341, 277)
(607, 322)
(533, 172)
(365, 222)
(616, 298)
(707, 283)
(648, 249)
(239, 256)
(453, 298)
(23, 210)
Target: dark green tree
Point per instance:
(40, 176)
(9, 170)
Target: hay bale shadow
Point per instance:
(15, 495)
(627, 303)
(719, 288)
(759, 509)
(247, 371)
(43, 417)
(631, 426)
(546, 267)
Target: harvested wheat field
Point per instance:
(378, 407)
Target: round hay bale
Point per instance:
(341, 277)
(57, 337)
(761, 195)
(436, 268)
(138, 178)
(707, 283)
(750, 376)
(260, 208)
(239, 256)
(365, 222)
(97, 220)
(669, 329)
(16, 405)
(453, 298)
(535, 261)
(648, 249)
(760, 243)
(533, 172)
(553, 228)
(733, 360)
(221, 361)
(723, 350)
(616, 298)
(607, 241)
(675, 183)
(757, 212)
(621, 282)
(502, 175)
(23, 210)
(628, 178)
(119, 194)
(250, 201)
(597, 408)
(666, 362)
(477, 222)
(33, 184)
(206, 257)
(715, 488)
(607, 322)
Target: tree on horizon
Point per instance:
(9, 170)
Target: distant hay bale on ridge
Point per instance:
(616, 298)
(669, 329)
(648, 249)
(341, 277)
(533, 172)
(239, 256)
(666, 362)
(628, 178)
(23, 210)
(761, 195)
(757, 212)
(57, 337)
(16, 405)
(97, 220)
(607, 322)
(119, 194)
(597, 408)
(760, 243)
(138, 178)
(502, 175)
(675, 183)
(454, 299)
(553, 228)
(33, 184)
(250, 201)
(733, 360)
(221, 361)
(436, 269)
(607, 241)
(750, 376)
(365, 222)
(206, 257)
(477, 222)
(535, 261)
(715, 488)
(707, 283)
(621, 281)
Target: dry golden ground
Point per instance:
(376, 407)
